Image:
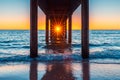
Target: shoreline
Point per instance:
(84, 70)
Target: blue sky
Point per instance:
(104, 14)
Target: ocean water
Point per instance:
(104, 47)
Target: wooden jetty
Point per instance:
(58, 15)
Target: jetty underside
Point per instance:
(58, 15)
(59, 23)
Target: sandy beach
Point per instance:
(66, 70)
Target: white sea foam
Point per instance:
(14, 46)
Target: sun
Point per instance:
(58, 28)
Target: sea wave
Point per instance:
(43, 46)
(104, 46)
(43, 57)
(94, 57)
(93, 45)
(11, 41)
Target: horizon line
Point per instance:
(44, 29)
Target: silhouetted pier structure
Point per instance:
(59, 23)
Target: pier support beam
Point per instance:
(33, 28)
(70, 29)
(47, 30)
(85, 28)
(65, 29)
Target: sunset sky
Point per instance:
(104, 14)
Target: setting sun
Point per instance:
(57, 28)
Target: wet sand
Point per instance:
(66, 70)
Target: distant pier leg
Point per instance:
(47, 30)
(33, 28)
(70, 29)
(65, 24)
(85, 28)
